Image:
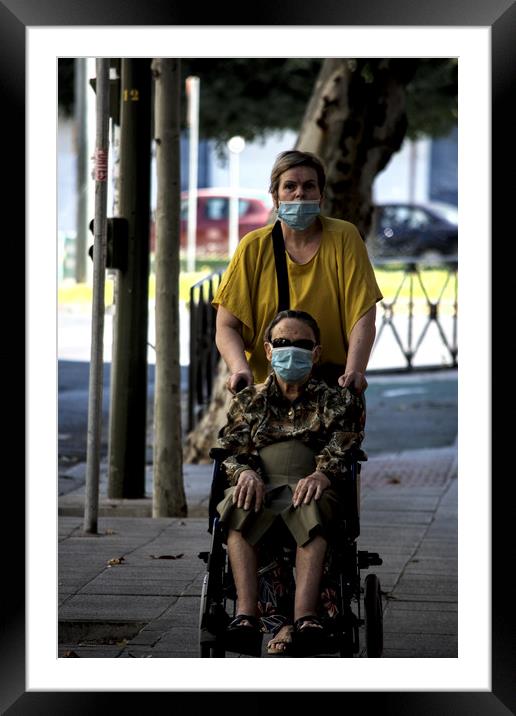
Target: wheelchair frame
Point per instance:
(218, 587)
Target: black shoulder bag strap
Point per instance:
(281, 267)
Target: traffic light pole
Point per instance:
(97, 325)
(128, 409)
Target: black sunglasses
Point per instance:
(305, 343)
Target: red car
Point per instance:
(213, 219)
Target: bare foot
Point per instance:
(280, 643)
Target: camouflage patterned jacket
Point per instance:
(329, 420)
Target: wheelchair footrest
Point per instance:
(242, 643)
(322, 644)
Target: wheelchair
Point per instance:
(343, 566)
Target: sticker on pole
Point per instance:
(101, 164)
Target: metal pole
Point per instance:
(81, 248)
(91, 105)
(412, 170)
(192, 94)
(235, 145)
(128, 408)
(97, 330)
(233, 202)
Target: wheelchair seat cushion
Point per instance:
(286, 463)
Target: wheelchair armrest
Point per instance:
(356, 454)
(219, 454)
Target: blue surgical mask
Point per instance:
(292, 364)
(298, 214)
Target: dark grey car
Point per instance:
(410, 230)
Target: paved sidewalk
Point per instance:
(134, 589)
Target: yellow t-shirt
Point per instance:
(337, 287)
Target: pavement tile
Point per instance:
(443, 652)
(438, 548)
(74, 574)
(89, 651)
(135, 588)
(187, 617)
(146, 638)
(394, 605)
(135, 608)
(193, 589)
(410, 596)
(178, 644)
(426, 587)
(380, 502)
(394, 518)
(443, 532)
(429, 565)
(409, 621)
(445, 644)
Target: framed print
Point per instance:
(498, 20)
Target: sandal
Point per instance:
(238, 623)
(244, 635)
(281, 642)
(309, 635)
(308, 623)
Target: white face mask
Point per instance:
(292, 364)
(299, 215)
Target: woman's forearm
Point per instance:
(231, 348)
(361, 342)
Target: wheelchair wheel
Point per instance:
(373, 616)
(347, 645)
(212, 615)
(207, 648)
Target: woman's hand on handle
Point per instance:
(353, 380)
(228, 338)
(361, 343)
(239, 380)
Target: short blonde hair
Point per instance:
(294, 158)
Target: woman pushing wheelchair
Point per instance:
(288, 439)
(305, 260)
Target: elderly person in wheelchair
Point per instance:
(287, 438)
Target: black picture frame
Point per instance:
(500, 16)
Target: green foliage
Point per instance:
(255, 96)
(251, 97)
(432, 98)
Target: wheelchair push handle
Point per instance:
(241, 384)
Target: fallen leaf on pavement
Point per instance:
(166, 556)
(116, 560)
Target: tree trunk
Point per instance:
(169, 495)
(355, 121)
(204, 436)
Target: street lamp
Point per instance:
(192, 94)
(236, 145)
